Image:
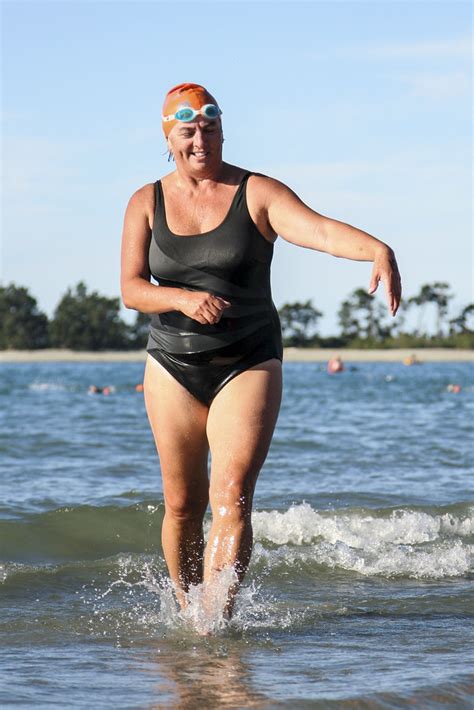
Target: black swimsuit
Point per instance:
(233, 262)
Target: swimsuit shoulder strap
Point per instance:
(240, 199)
(159, 221)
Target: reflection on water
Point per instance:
(204, 676)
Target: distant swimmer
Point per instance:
(139, 387)
(454, 388)
(411, 360)
(93, 389)
(335, 364)
(206, 233)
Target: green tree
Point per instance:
(420, 300)
(438, 294)
(299, 323)
(464, 322)
(350, 325)
(22, 325)
(138, 332)
(441, 298)
(88, 321)
(361, 316)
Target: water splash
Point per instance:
(139, 601)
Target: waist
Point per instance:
(182, 335)
(230, 352)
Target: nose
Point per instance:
(200, 138)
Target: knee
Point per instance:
(232, 503)
(186, 507)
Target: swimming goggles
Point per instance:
(187, 114)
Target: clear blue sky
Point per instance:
(363, 108)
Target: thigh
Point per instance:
(178, 421)
(240, 426)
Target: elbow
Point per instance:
(128, 303)
(128, 299)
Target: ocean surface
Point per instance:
(359, 592)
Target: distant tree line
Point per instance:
(86, 320)
(82, 320)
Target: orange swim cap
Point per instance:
(193, 95)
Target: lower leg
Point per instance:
(229, 547)
(183, 546)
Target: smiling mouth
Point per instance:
(200, 153)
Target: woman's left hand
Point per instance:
(385, 269)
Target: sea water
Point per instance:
(359, 592)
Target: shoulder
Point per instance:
(264, 189)
(143, 196)
(264, 193)
(141, 205)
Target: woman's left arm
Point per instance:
(297, 223)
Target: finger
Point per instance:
(389, 290)
(374, 282)
(391, 302)
(208, 318)
(397, 293)
(205, 313)
(212, 313)
(396, 304)
(396, 298)
(223, 303)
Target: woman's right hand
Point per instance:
(203, 307)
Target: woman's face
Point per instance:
(197, 146)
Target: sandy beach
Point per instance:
(290, 355)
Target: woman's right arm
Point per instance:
(137, 291)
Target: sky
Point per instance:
(362, 108)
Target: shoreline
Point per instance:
(290, 355)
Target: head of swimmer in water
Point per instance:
(193, 128)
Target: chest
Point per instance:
(198, 213)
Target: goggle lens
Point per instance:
(210, 111)
(185, 114)
(188, 114)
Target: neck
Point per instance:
(191, 180)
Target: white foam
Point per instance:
(301, 524)
(405, 543)
(47, 387)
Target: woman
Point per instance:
(213, 372)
